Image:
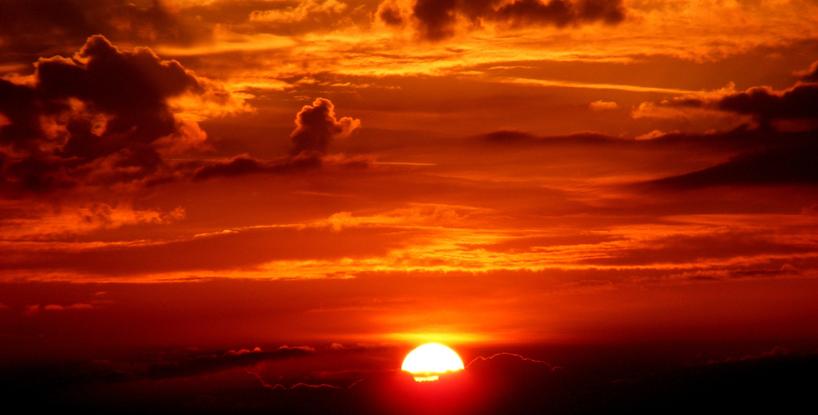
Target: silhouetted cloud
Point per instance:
(316, 125)
(766, 105)
(389, 12)
(810, 74)
(772, 154)
(436, 18)
(243, 165)
(32, 27)
(616, 381)
(201, 363)
(794, 163)
(102, 117)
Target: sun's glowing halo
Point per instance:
(428, 361)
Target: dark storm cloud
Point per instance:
(437, 18)
(97, 117)
(316, 126)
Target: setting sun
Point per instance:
(428, 361)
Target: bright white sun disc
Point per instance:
(428, 361)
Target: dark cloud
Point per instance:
(243, 165)
(390, 13)
(764, 104)
(767, 105)
(101, 116)
(199, 363)
(30, 28)
(316, 126)
(511, 137)
(810, 74)
(789, 164)
(614, 382)
(781, 149)
(437, 18)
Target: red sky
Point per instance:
(208, 172)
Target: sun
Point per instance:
(428, 361)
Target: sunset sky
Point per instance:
(328, 175)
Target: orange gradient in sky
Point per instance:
(362, 171)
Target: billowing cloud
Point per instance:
(390, 13)
(437, 19)
(102, 116)
(767, 105)
(316, 126)
(764, 104)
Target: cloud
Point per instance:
(767, 105)
(438, 19)
(43, 223)
(788, 164)
(785, 121)
(229, 249)
(202, 363)
(100, 117)
(602, 105)
(390, 13)
(316, 126)
(243, 165)
(299, 12)
(764, 104)
(810, 74)
(36, 26)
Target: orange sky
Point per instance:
(234, 172)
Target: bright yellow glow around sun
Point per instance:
(428, 361)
